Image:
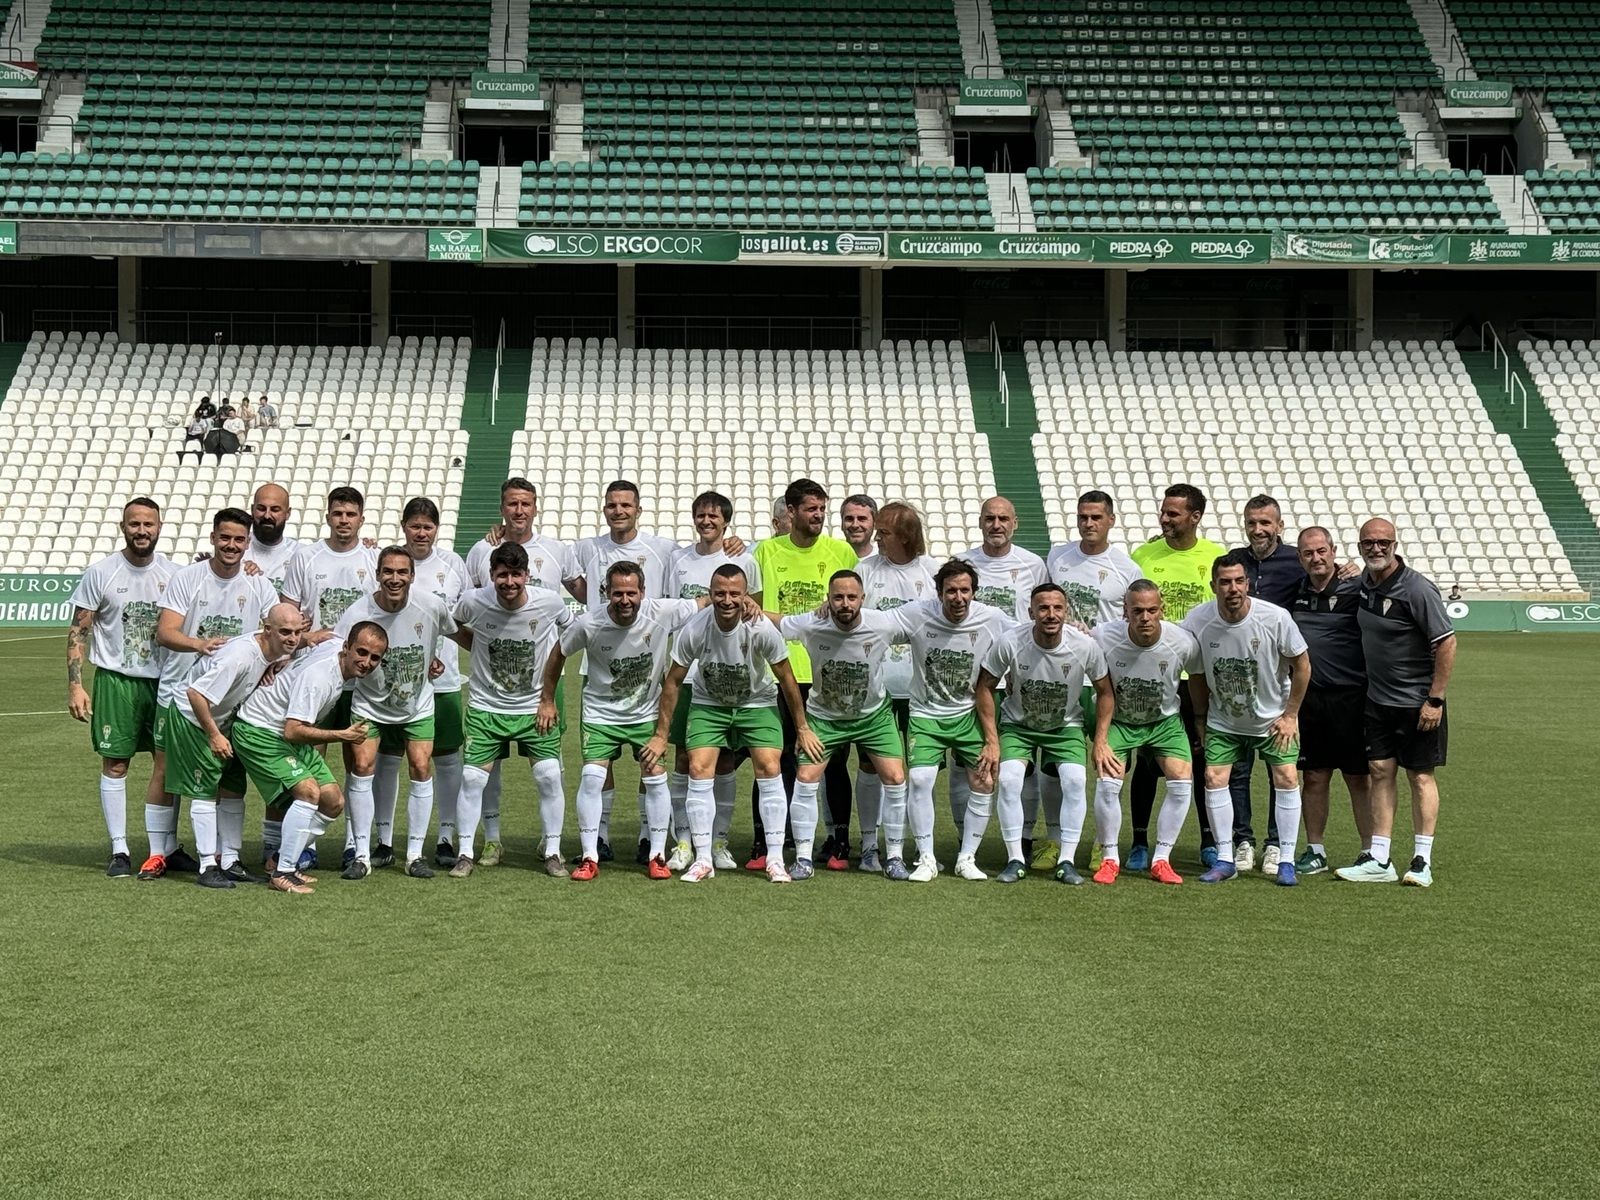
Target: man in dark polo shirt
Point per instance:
(1410, 649)
(1275, 575)
(1325, 607)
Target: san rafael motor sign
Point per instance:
(455, 245)
(36, 601)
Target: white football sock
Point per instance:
(419, 815)
(774, 808)
(1380, 849)
(296, 833)
(1012, 803)
(803, 817)
(469, 807)
(160, 826)
(724, 793)
(552, 803)
(957, 794)
(608, 797)
(644, 810)
(1219, 807)
(1108, 816)
(920, 806)
(658, 812)
(1422, 847)
(203, 816)
(1286, 807)
(447, 793)
(1074, 807)
(114, 806)
(591, 805)
(491, 804)
(385, 795)
(271, 837)
(1173, 813)
(894, 819)
(230, 830)
(1050, 804)
(975, 822)
(678, 789)
(358, 813)
(1030, 802)
(869, 803)
(699, 803)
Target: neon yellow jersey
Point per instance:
(1184, 576)
(795, 581)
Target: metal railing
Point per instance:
(1551, 329)
(1000, 372)
(84, 320)
(262, 328)
(1501, 358)
(431, 325)
(662, 331)
(494, 385)
(1242, 333)
(1062, 329)
(932, 329)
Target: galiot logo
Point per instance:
(859, 243)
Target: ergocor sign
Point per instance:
(614, 245)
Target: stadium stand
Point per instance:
(1236, 117)
(893, 422)
(1568, 378)
(1337, 436)
(719, 113)
(89, 421)
(1552, 47)
(283, 112)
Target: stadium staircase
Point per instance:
(1557, 492)
(1010, 447)
(489, 451)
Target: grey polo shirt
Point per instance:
(1330, 623)
(1402, 619)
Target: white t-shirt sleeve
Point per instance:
(1193, 661)
(91, 588)
(180, 592)
(294, 580)
(1096, 665)
(219, 678)
(790, 628)
(686, 646)
(777, 649)
(752, 572)
(575, 637)
(1293, 641)
(999, 659)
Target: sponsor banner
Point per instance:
(505, 85)
(827, 245)
(1476, 93)
(614, 245)
(992, 93)
(1360, 247)
(36, 601)
(1505, 616)
(956, 247)
(1187, 249)
(455, 245)
(8, 237)
(1556, 250)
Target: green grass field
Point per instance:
(512, 1034)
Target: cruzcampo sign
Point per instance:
(614, 245)
(8, 237)
(36, 600)
(505, 85)
(1168, 249)
(455, 245)
(14, 76)
(992, 93)
(1476, 93)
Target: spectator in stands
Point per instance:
(266, 414)
(199, 426)
(247, 414)
(1455, 591)
(235, 424)
(205, 409)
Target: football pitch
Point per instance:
(511, 1034)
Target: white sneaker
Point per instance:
(1420, 874)
(1367, 869)
(926, 870)
(682, 856)
(1270, 855)
(967, 867)
(777, 872)
(721, 857)
(697, 872)
(1244, 857)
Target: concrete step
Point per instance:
(933, 137)
(499, 191)
(566, 133)
(58, 119)
(1443, 39)
(1008, 199)
(24, 27)
(1516, 204)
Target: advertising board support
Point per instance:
(382, 273)
(1361, 308)
(871, 307)
(1117, 310)
(627, 305)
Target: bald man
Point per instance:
(270, 551)
(1007, 575)
(1410, 650)
(201, 764)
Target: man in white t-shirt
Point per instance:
(1256, 673)
(396, 702)
(117, 603)
(511, 627)
(278, 729)
(204, 605)
(1147, 658)
(625, 647)
(738, 669)
(1094, 574)
(1044, 667)
(202, 764)
(857, 516)
(270, 552)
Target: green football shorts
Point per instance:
(490, 736)
(1166, 738)
(1223, 749)
(274, 765)
(1056, 745)
(875, 734)
(192, 769)
(124, 719)
(931, 738)
(733, 728)
(605, 743)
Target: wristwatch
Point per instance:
(1434, 701)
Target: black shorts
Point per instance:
(1333, 730)
(1392, 733)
